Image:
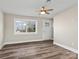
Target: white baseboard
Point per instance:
(5, 43)
(66, 47)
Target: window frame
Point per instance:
(24, 20)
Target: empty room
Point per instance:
(38, 29)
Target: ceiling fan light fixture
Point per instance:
(42, 12)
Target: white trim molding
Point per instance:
(66, 47)
(23, 41)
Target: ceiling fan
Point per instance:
(45, 10)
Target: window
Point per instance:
(25, 26)
(20, 26)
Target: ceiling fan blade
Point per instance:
(50, 9)
(47, 13)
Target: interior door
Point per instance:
(47, 29)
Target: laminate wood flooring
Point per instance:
(36, 50)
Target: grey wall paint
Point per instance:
(1, 29)
(66, 28)
(9, 30)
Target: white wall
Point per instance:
(1, 29)
(10, 37)
(65, 28)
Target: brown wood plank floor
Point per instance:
(36, 50)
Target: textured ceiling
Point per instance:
(29, 7)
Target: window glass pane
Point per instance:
(31, 26)
(20, 26)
